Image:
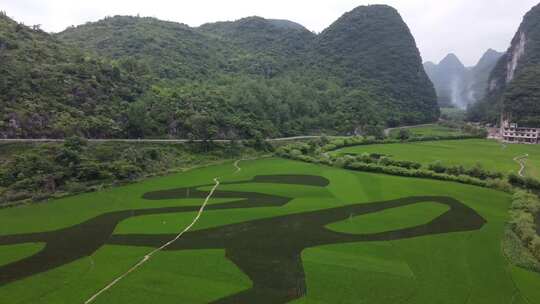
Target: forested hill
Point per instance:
(372, 46)
(514, 84)
(278, 39)
(169, 50)
(49, 89)
(251, 77)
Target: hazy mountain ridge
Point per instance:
(479, 84)
(449, 79)
(255, 76)
(460, 86)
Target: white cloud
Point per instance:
(464, 27)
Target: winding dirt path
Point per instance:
(522, 161)
(238, 169)
(162, 247)
(237, 163)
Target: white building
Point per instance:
(512, 133)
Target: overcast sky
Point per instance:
(464, 27)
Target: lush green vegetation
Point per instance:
(49, 89)
(42, 171)
(39, 172)
(444, 268)
(523, 211)
(131, 77)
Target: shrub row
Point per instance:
(477, 171)
(392, 170)
(385, 161)
(525, 207)
(336, 144)
(524, 182)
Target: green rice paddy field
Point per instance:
(491, 154)
(277, 231)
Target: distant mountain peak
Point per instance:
(286, 24)
(452, 60)
(373, 7)
(457, 85)
(492, 51)
(489, 58)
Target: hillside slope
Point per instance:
(52, 90)
(170, 50)
(514, 84)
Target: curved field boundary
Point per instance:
(162, 247)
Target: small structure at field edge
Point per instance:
(512, 133)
